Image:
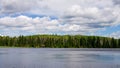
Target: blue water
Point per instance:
(59, 58)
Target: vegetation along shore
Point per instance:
(59, 41)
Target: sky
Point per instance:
(73, 17)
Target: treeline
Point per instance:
(58, 41)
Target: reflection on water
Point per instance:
(59, 58)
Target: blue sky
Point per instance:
(85, 17)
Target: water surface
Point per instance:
(59, 58)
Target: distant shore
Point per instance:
(59, 41)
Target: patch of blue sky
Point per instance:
(33, 15)
(108, 30)
(3, 15)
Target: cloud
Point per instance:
(115, 35)
(28, 24)
(73, 17)
(18, 6)
(91, 17)
(1, 35)
(43, 25)
(116, 2)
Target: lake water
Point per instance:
(59, 58)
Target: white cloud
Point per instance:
(18, 6)
(74, 17)
(116, 2)
(92, 18)
(28, 24)
(91, 15)
(115, 34)
(1, 35)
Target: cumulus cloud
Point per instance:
(116, 2)
(28, 24)
(18, 6)
(1, 35)
(91, 16)
(43, 25)
(73, 17)
(115, 35)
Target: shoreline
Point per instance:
(65, 49)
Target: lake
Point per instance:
(59, 58)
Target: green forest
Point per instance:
(59, 41)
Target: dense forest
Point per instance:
(59, 41)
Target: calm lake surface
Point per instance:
(59, 58)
